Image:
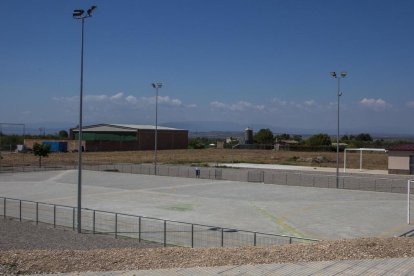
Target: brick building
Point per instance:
(122, 137)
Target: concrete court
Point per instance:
(300, 211)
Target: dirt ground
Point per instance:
(202, 157)
(30, 251)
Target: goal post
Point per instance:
(360, 154)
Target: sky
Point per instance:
(245, 62)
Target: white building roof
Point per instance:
(121, 128)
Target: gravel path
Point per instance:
(27, 248)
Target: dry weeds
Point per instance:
(201, 157)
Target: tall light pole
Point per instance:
(80, 14)
(339, 94)
(156, 85)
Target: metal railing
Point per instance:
(384, 183)
(166, 232)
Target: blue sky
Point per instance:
(243, 61)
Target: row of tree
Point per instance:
(265, 136)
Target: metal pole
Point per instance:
(54, 216)
(139, 229)
(94, 220)
(345, 160)
(156, 130)
(192, 235)
(408, 201)
(116, 225)
(37, 212)
(80, 137)
(165, 233)
(360, 160)
(73, 218)
(337, 138)
(222, 237)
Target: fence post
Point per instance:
(286, 179)
(73, 218)
(139, 229)
(4, 208)
(222, 237)
(165, 233)
(93, 224)
(116, 225)
(192, 235)
(20, 210)
(290, 240)
(37, 213)
(254, 239)
(54, 216)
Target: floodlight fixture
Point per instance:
(78, 13)
(157, 84)
(90, 10)
(343, 74)
(333, 74)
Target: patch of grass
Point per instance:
(180, 207)
(280, 222)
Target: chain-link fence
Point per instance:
(166, 232)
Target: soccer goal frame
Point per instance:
(360, 155)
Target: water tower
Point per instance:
(248, 136)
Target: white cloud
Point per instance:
(279, 102)
(131, 99)
(239, 106)
(163, 100)
(168, 101)
(218, 105)
(117, 96)
(410, 104)
(66, 99)
(375, 104)
(309, 103)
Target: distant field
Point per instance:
(203, 157)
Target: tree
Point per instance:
(363, 137)
(41, 150)
(264, 136)
(320, 139)
(63, 134)
(283, 136)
